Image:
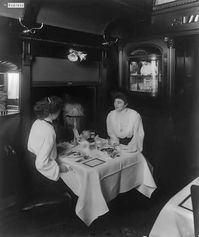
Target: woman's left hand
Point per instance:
(63, 168)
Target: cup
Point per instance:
(92, 145)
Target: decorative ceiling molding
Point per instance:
(6, 66)
(172, 4)
(91, 16)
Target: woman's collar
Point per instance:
(48, 119)
(122, 111)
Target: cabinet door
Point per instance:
(9, 143)
(144, 72)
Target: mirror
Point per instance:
(9, 89)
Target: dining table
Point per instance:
(98, 179)
(176, 217)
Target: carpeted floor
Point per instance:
(131, 214)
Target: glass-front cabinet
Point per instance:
(144, 71)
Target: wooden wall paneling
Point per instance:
(25, 91)
(101, 102)
(9, 155)
(170, 69)
(10, 129)
(57, 70)
(24, 186)
(185, 112)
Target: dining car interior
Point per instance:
(95, 56)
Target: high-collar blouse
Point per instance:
(42, 142)
(126, 124)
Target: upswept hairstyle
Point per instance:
(121, 96)
(47, 105)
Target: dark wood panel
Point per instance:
(185, 104)
(61, 70)
(9, 150)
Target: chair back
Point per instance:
(195, 204)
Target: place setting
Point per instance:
(88, 146)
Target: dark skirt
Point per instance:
(40, 183)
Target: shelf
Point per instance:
(9, 112)
(144, 72)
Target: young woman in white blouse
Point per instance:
(42, 138)
(124, 125)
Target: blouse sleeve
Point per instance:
(136, 143)
(46, 166)
(110, 130)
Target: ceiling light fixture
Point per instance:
(75, 55)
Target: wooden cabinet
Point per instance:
(145, 72)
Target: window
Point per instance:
(9, 93)
(159, 2)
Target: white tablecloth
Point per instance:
(174, 219)
(95, 186)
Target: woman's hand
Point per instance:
(114, 141)
(63, 168)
